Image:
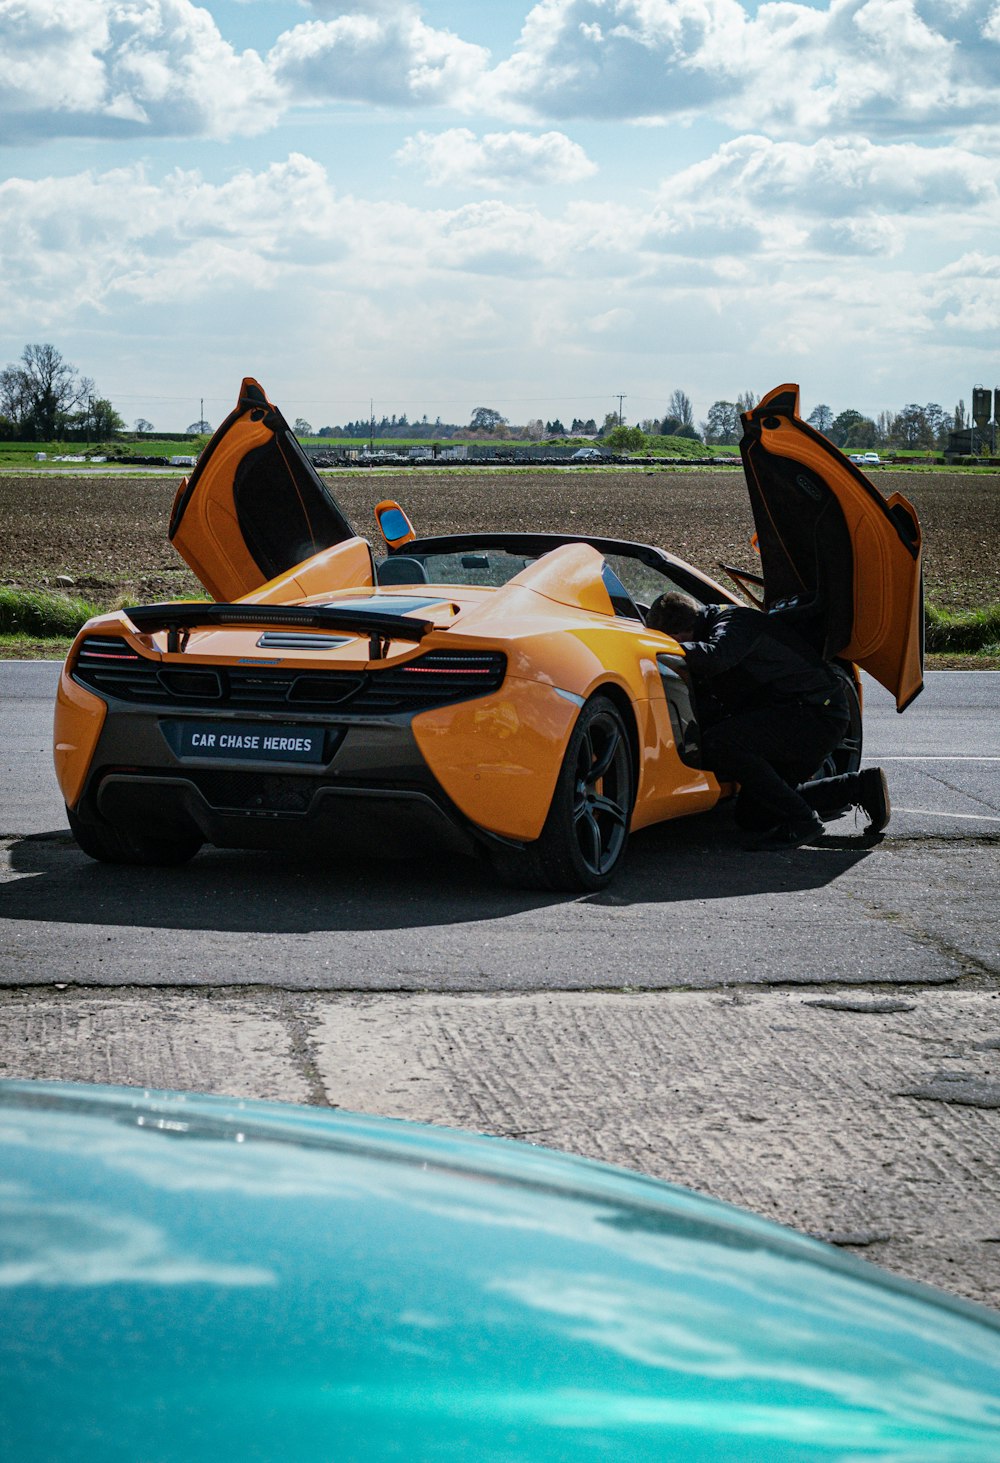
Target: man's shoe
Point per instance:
(873, 795)
(791, 835)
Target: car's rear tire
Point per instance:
(583, 842)
(111, 845)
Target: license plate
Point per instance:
(233, 741)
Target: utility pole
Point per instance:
(201, 414)
(621, 398)
(371, 425)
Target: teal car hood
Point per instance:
(191, 1278)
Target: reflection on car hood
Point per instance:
(191, 1278)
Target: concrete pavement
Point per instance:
(814, 1035)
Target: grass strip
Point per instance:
(40, 615)
(963, 631)
(37, 613)
(34, 647)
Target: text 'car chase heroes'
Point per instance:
(498, 694)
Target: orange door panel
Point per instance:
(254, 506)
(828, 536)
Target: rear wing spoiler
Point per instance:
(180, 619)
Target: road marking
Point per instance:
(933, 813)
(961, 757)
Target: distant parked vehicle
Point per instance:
(587, 454)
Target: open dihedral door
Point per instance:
(828, 538)
(254, 506)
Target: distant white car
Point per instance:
(871, 457)
(587, 454)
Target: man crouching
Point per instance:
(776, 709)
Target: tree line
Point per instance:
(912, 427)
(43, 398)
(484, 422)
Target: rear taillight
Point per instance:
(103, 649)
(483, 670)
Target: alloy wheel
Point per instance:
(602, 794)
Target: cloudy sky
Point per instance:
(442, 205)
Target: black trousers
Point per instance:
(770, 752)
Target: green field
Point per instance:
(22, 455)
(107, 535)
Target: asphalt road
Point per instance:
(690, 909)
(814, 1035)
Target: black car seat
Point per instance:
(401, 569)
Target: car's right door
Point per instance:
(828, 538)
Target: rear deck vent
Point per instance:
(285, 640)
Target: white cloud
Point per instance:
(122, 68)
(614, 58)
(386, 58)
(361, 7)
(145, 68)
(770, 252)
(838, 176)
(758, 198)
(972, 267)
(95, 238)
(872, 64)
(840, 236)
(457, 158)
(964, 299)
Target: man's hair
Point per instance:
(674, 613)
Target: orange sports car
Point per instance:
(493, 692)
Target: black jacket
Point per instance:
(747, 659)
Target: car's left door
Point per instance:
(254, 506)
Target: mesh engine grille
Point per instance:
(110, 666)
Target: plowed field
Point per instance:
(109, 534)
